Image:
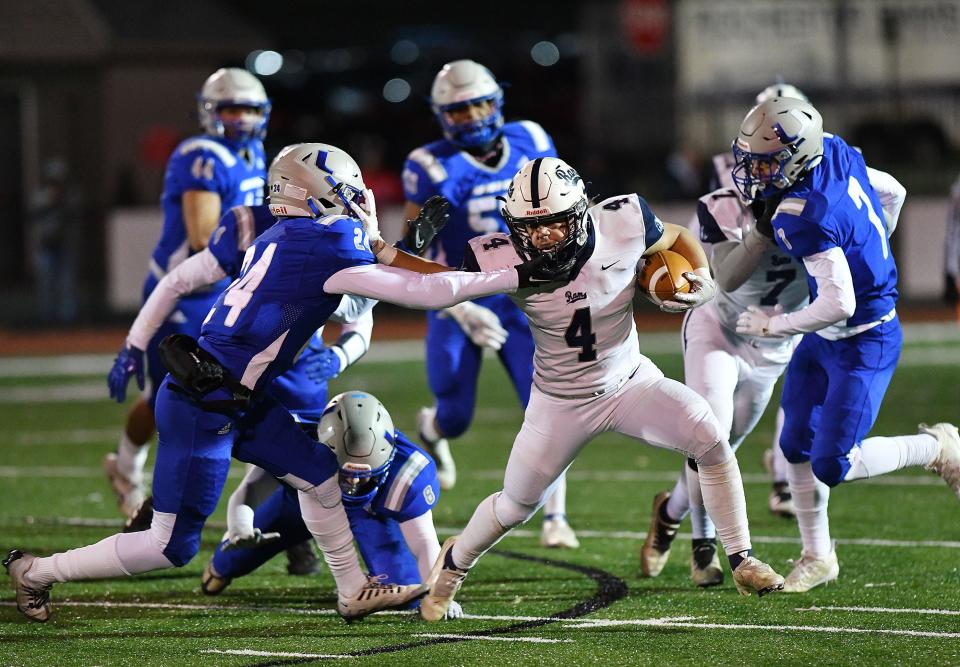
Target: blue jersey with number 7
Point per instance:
(836, 207)
(271, 310)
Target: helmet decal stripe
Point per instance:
(535, 183)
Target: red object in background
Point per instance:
(385, 185)
(646, 24)
(157, 144)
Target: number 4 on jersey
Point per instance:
(580, 334)
(241, 291)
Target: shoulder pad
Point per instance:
(813, 207)
(721, 213)
(494, 251)
(221, 152)
(541, 140)
(429, 163)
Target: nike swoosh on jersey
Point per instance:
(604, 268)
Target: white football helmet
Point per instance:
(458, 84)
(313, 180)
(779, 141)
(359, 431)
(780, 89)
(545, 191)
(233, 87)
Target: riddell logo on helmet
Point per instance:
(537, 211)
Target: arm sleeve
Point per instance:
(733, 262)
(354, 341)
(421, 538)
(891, 194)
(653, 227)
(198, 271)
(417, 290)
(835, 302)
(255, 486)
(352, 308)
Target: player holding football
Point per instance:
(589, 374)
(389, 487)
(215, 403)
(206, 175)
(471, 166)
(829, 217)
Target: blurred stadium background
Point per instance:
(637, 93)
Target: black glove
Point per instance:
(765, 217)
(536, 273)
(424, 228)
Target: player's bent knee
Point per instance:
(453, 423)
(512, 513)
(705, 436)
(828, 469)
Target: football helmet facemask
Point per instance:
(779, 141)
(546, 191)
(233, 87)
(359, 431)
(314, 180)
(458, 85)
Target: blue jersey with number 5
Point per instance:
(836, 207)
(269, 312)
(442, 168)
(210, 164)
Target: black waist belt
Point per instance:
(197, 373)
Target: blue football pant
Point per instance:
(832, 394)
(193, 457)
(453, 363)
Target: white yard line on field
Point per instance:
(885, 610)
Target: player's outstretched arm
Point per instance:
(702, 287)
(421, 537)
(201, 214)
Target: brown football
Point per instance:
(661, 275)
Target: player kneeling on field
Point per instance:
(589, 375)
(389, 487)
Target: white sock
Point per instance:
(429, 431)
(123, 554)
(722, 489)
(556, 505)
(678, 504)
(879, 455)
(810, 498)
(131, 458)
(482, 532)
(323, 514)
(700, 524)
(779, 460)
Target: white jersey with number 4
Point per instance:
(586, 339)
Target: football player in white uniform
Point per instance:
(735, 373)
(589, 374)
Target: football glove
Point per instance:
(129, 362)
(424, 228)
(537, 273)
(250, 540)
(323, 364)
(479, 323)
(755, 322)
(702, 289)
(367, 213)
(453, 611)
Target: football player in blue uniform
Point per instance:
(389, 488)
(302, 389)
(472, 166)
(215, 401)
(206, 175)
(828, 215)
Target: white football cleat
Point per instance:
(444, 582)
(780, 501)
(212, 582)
(130, 492)
(557, 534)
(705, 570)
(810, 571)
(437, 448)
(374, 597)
(754, 576)
(656, 548)
(32, 601)
(947, 461)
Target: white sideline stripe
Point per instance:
(272, 654)
(78, 436)
(885, 610)
(530, 640)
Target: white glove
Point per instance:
(755, 322)
(368, 215)
(702, 289)
(479, 323)
(453, 611)
(250, 540)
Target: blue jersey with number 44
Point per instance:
(836, 207)
(442, 168)
(271, 310)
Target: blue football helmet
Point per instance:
(359, 431)
(458, 85)
(233, 87)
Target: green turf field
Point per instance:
(897, 600)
